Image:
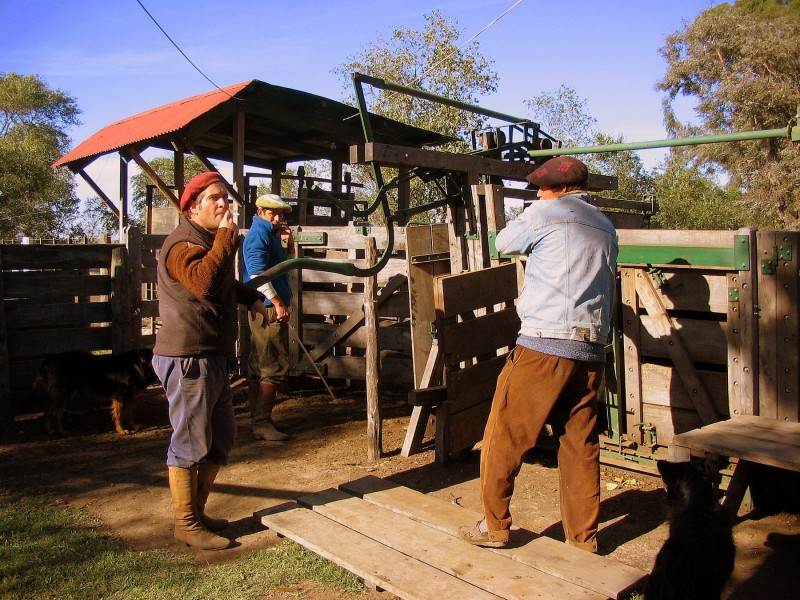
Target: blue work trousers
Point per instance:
(200, 409)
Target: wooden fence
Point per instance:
(104, 298)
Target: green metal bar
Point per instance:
(417, 93)
(682, 255)
(792, 132)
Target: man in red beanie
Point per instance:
(198, 298)
(555, 371)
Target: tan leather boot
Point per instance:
(261, 414)
(188, 528)
(206, 474)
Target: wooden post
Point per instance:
(119, 301)
(7, 409)
(134, 296)
(374, 426)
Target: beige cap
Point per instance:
(273, 202)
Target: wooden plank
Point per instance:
(661, 385)
(47, 287)
(602, 575)
(430, 396)
(733, 338)
(786, 340)
(473, 384)
(459, 431)
(353, 320)
(677, 237)
(695, 290)
(58, 256)
(480, 336)
(669, 421)
(349, 237)
(455, 294)
(391, 336)
(757, 450)
(25, 315)
(768, 327)
(676, 348)
(762, 428)
(442, 551)
(631, 343)
(746, 400)
(404, 156)
(25, 344)
(705, 340)
(377, 564)
(428, 241)
(372, 357)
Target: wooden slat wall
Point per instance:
(54, 298)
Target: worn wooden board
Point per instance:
(602, 575)
(456, 294)
(487, 334)
(489, 571)
(705, 341)
(771, 442)
(374, 562)
(661, 385)
(695, 290)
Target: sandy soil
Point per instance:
(122, 480)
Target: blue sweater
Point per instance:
(262, 250)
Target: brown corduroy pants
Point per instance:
(534, 388)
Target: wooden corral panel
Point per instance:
(328, 307)
(475, 331)
(57, 298)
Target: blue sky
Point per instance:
(113, 59)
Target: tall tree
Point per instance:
(35, 200)
(741, 64)
(565, 116)
(430, 59)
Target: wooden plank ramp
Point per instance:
(404, 542)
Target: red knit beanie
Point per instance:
(559, 172)
(196, 186)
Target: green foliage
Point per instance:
(49, 552)
(741, 64)
(564, 115)
(689, 200)
(35, 200)
(431, 60)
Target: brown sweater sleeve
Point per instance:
(200, 270)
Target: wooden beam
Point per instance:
(153, 176)
(404, 156)
(207, 164)
(112, 207)
(676, 349)
(374, 425)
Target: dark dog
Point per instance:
(109, 378)
(697, 558)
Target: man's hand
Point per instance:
(228, 222)
(281, 310)
(258, 308)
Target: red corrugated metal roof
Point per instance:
(150, 124)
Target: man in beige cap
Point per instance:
(269, 347)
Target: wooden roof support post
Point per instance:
(106, 200)
(179, 171)
(238, 162)
(153, 176)
(123, 195)
(210, 167)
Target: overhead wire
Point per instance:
(189, 60)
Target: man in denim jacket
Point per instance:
(555, 371)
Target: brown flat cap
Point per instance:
(559, 172)
(196, 186)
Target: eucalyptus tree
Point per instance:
(35, 200)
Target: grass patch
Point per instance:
(52, 552)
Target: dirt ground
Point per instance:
(122, 481)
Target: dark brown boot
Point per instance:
(261, 414)
(206, 474)
(188, 527)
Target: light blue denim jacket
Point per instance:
(570, 274)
